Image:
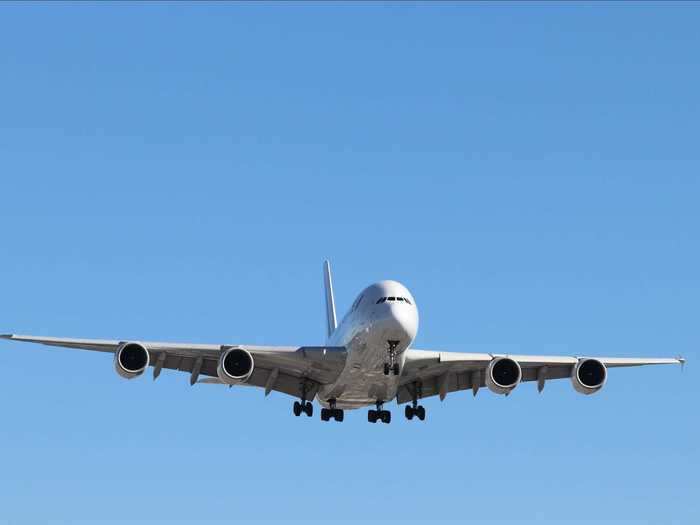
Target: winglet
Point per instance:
(5, 336)
(330, 301)
(681, 360)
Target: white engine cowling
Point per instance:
(235, 366)
(503, 374)
(589, 376)
(131, 360)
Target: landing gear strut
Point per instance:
(391, 364)
(414, 409)
(332, 412)
(379, 415)
(305, 407)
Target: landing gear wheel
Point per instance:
(379, 415)
(395, 369)
(415, 410)
(332, 413)
(409, 412)
(386, 369)
(303, 406)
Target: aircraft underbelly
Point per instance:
(363, 382)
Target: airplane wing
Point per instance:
(439, 373)
(287, 369)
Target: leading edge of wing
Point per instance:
(101, 345)
(193, 349)
(610, 362)
(429, 356)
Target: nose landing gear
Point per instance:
(391, 363)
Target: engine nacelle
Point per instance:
(131, 360)
(589, 376)
(235, 366)
(503, 374)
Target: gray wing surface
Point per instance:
(286, 369)
(439, 373)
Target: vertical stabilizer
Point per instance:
(330, 301)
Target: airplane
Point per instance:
(367, 361)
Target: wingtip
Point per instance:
(5, 336)
(681, 361)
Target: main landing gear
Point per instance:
(417, 411)
(414, 409)
(391, 364)
(332, 412)
(379, 415)
(303, 406)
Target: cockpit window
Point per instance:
(393, 299)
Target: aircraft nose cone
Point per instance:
(401, 323)
(408, 322)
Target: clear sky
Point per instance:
(179, 172)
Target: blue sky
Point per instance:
(179, 172)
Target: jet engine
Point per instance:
(131, 360)
(235, 366)
(588, 376)
(503, 375)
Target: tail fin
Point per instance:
(330, 301)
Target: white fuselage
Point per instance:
(383, 312)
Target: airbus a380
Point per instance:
(367, 361)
